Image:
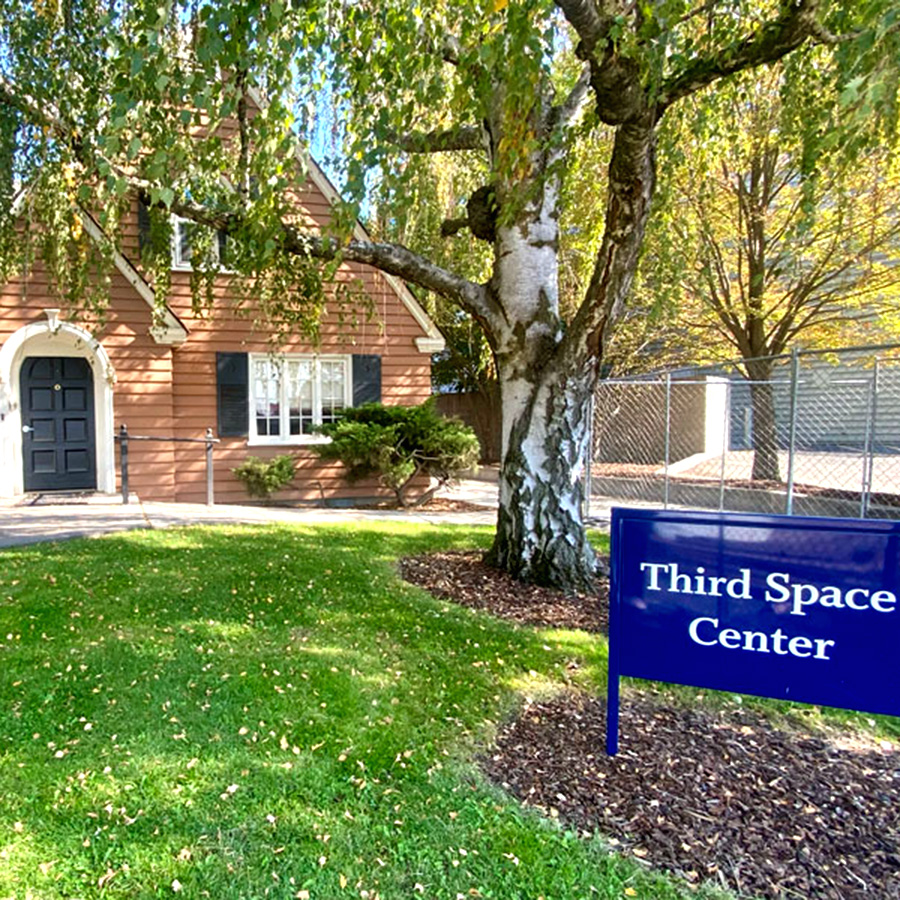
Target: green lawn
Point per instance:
(271, 712)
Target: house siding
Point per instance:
(405, 373)
(171, 390)
(143, 390)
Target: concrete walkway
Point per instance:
(24, 524)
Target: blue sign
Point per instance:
(777, 606)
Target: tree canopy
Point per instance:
(752, 250)
(102, 99)
(763, 246)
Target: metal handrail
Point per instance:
(123, 437)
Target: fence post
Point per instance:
(726, 440)
(792, 439)
(123, 460)
(667, 438)
(869, 449)
(210, 498)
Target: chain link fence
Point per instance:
(812, 433)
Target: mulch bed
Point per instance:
(712, 795)
(435, 504)
(461, 577)
(447, 504)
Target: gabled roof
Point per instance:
(170, 329)
(433, 341)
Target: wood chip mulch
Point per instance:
(449, 504)
(461, 577)
(713, 795)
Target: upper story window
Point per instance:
(290, 395)
(183, 232)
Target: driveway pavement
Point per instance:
(28, 524)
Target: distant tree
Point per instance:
(766, 248)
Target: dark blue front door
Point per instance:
(58, 424)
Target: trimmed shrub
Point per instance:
(398, 443)
(262, 477)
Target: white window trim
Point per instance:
(185, 265)
(285, 439)
(177, 261)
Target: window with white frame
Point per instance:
(290, 395)
(183, 232)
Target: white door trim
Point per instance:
(53, 338)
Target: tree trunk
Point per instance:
(764, 436)
(540, 527)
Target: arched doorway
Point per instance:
(58, 432)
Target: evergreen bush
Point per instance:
(263, 477)
(396, 444)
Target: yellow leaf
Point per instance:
(630, 892)
(500, 5)
(343, 880)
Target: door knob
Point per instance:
(27, 429)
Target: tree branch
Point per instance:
(706, 8)
(571, 107)
(40, 113)
(590, 26)
(244, 136)
(632, 176)
(769, 43)
(823, 36)
(464, 137)
(449, 227)
(395, 259)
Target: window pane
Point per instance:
(300, 396)
(333, 375)
(267, 390)
(185, 234)
(183, 231)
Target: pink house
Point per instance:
(64, 392)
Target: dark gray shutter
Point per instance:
(143, 226)
(366, 379)
(222, 237)
(233, 393)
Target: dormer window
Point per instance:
(183, 231)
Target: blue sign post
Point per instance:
(777, 606)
